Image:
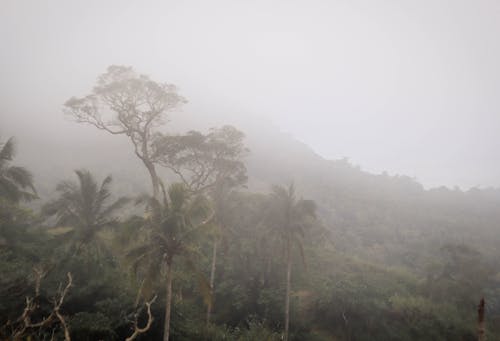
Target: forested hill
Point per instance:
(386, 260)
(387, 218)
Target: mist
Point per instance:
(249, 170)
(399, 87)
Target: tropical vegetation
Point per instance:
(220, 248)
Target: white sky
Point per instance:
(411, 87)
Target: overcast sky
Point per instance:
(410, 87)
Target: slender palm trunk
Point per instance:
(212, 281)
(168, 303)
(287, 298)
(481, 330)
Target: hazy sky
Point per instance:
(411, 87)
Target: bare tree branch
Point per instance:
(24, 321)
(138, 330)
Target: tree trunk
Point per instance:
(481, 330)
(212, 281)
(146, 159)
(168, 303)
(155, 181)
(287, 298)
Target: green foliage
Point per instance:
(91, 326)
(83, 206)
(169, 230)
(253, 329)
(203, 162)
(401, 265)
(16, 183)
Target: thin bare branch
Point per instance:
(24, 321)
(138, 330)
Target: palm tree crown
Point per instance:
(16, 183)
(82, 206)
(289, 217)
(171, 227)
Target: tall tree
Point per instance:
(84, 207)
(16, 183)
(212, 164)
(171, 227)
(204, 161)
(289, 217)
(126, 103)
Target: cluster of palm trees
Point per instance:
(168, 230)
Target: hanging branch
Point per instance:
(137, 329)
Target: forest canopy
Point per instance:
(230, 242)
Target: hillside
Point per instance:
(384, 244)
(374, 216)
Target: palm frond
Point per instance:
(9, 190)
(8, 151)
(139, 251)
(82, 205)
(307, 207)
(16, 183)
(118, 204)
(178, 196)
(106, 182)
(21, 177)
(140, 258)
(142, 199)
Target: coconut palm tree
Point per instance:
(170, 229)
(16, 183)
(84, 207)
(288, 218)
(211, 164)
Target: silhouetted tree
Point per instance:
(211, 164)
(83, 206)
(170, 229)
(126, 103)
(288, 217)
(204, 161)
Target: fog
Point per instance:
(400, 86)
(333, 174)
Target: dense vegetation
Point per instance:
(373, 257)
